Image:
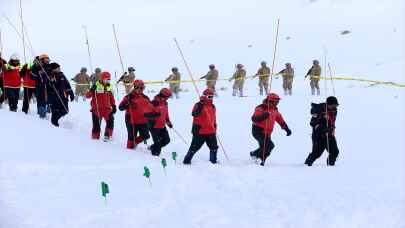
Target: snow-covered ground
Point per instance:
(50, 177)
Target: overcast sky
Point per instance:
(209, 31)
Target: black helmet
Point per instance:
(332, 100)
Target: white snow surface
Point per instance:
(50, 177)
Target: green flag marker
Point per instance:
(164, 163)
(104, 189)
(174, 156)
(147, 174)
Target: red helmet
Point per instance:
(139, 84)
(208, 92)
(105, 75)
(165, 92)
(273, 97)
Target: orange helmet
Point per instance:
(105, 75)
(165, 92)
(273, 97)
(44, 56)
(208, 92)
(139, 84)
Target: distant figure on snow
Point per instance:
(314, 73)
(82, 81)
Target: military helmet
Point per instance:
(131, 69)
(288, 64)
(211, 66)
(239, 65)
(263, 63)
(83, 69)
(175, 69)
(98, 70)
(316, 62)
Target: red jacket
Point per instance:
(11, 76)
(102, 97)
(266, 122)
(161, 107)
(28, 82)
(137, 106)
(204, 117)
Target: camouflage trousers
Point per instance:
(314, 83)
(175, 88)
(263, 85)
(81, 90)
(238, 87)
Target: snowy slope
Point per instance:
(51, 177)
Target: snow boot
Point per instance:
(95, 135)
(188, 157)
(213, 156)
(130, 144)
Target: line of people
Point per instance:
(84, 81)
(144, 117)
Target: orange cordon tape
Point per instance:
(388, 83)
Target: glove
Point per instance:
(288, 131)
(169, 124)
(114, 109)
(72, 97)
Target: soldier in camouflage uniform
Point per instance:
(314, 73)
(211, 77)
(239, 76)
(174, 81)
(128, 79)
(95, 76)
(288, 76)
(263, 73)
(82, 81)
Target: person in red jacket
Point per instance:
(264, 118)
(29, 86)
(158, 124)
(12, 81)
(2, 95)
(102, 106)
(204, 127)
(137, 108)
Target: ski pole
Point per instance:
(271, 80)
(180, 136)
(198, 93)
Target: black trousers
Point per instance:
(197, 142)
(135, 129)
(265, 144)
(109, 127)
(28, 92)
(12, 95)
(160, 139)
(319, 145)
(3, 95)
(56, 115)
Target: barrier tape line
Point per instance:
(388, 83)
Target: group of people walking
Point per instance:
(145, 117)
